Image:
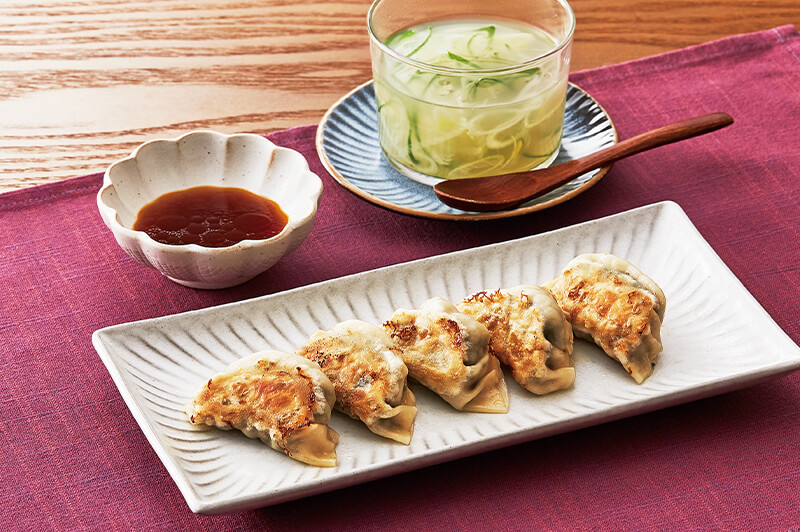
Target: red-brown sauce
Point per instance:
(209, 216)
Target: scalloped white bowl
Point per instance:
(201, 158)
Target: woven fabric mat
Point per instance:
(74, 458)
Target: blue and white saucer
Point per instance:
(347, 144)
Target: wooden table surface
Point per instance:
(83, 82)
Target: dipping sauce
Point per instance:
(212, 217)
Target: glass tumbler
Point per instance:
(470, 88)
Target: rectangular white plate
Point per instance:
(716, 338)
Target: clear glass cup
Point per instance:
(449, 103)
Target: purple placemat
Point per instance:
(74, 458)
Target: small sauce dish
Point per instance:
(208, 158)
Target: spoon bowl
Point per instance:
(501, 192)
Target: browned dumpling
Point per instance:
(368, 376)
(529, 334)
(448, 352)
(611, 302)
(280, 398)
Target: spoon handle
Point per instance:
(510, 190)
(684, 129)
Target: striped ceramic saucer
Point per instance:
(347, 143)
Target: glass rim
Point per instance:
(466, 71)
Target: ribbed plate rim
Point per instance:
(114, 363)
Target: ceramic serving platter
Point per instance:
(347, 144)
(716, 338)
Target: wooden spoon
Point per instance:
(500, 192)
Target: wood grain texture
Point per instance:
(509, 191)
(83, 82)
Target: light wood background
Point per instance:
(83, 82)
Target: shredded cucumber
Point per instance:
(423, 43)
(481, 40)
(467, 125)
